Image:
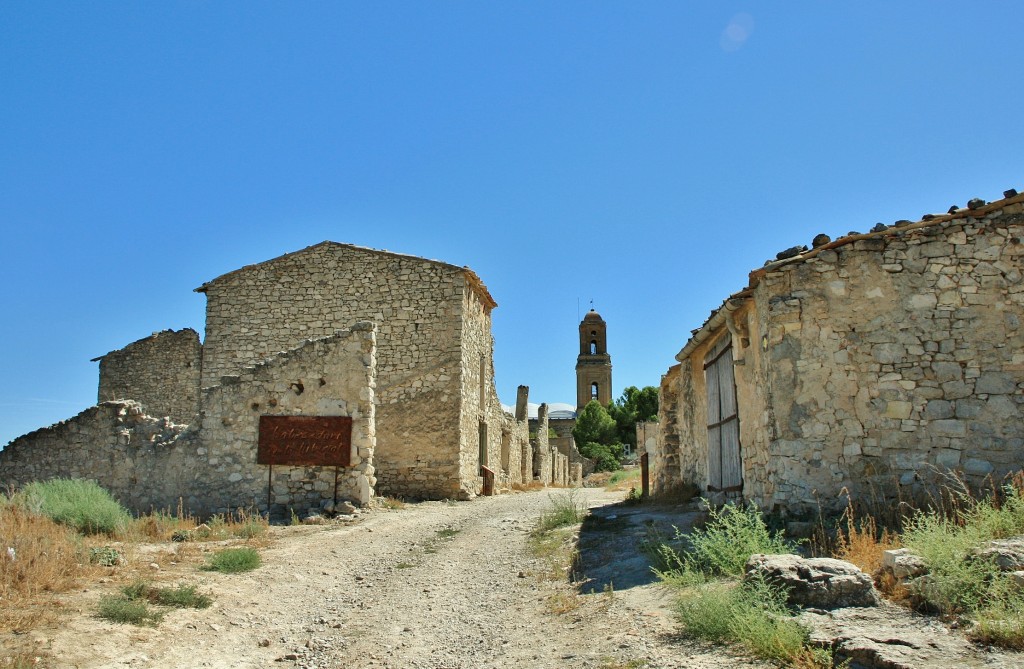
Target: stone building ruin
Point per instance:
(871, 364)
(400, 345)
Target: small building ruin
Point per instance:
(873, 364)
(399, 346)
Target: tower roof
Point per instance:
(592, 316)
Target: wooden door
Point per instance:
(725, 472)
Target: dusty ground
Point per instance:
(433, 586)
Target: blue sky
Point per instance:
(646, 155)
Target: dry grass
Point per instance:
(862, 544)
(562, 602)
(391, 503)
(47, 559)
(623, 480)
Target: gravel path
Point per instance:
(434, 585)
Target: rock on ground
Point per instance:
(818, 583)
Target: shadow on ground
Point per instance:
(615, 540)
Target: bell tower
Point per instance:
(594, 365)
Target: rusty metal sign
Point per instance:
(305, 440)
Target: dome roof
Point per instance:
(592, 316)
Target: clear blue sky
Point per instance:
(646, 155)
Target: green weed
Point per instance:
(132, 604)
(716, 605)
(731, 535)
(79, 504)
(181, 597)
(120, 609)
(105, 556)
(234, 560)
(565, 510)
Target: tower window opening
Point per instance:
(593, 348)
(593, 391)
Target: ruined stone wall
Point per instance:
(646, 437)
(161, 372)
(874, 367)
(750, 364)
(542, 466)
(150, 463)
(515, 445)
(897, 355)
(329, 376)
(417, 304)
(565, 444)
(144, 462)
(482, 416)
(665, 459)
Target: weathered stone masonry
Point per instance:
(433, 345)
(210, 466)
(161, 372)
(433, 418)
(872, 363)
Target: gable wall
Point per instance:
(416, 304)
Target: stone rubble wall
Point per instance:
(542, 452)
(516, 452)
(895, 358)
(872, 367)
(515, 445)
(482, 416)
(422, 437)
(151, 463)
(328, 376)
(161, 372)
(566, 445)
(665, 458)
(144, 462)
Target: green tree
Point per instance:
(633, 406)
(594, 425)
(606, 458)
(597, 436)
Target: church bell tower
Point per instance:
(594, 365)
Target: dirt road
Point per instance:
(434, 585)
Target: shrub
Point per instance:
(959, 582)
(181, 597)
(862, 543)
(1001, 624)
(82, 505)
(248, 525)
(752, 614)
(234, 560)
(132, 604)
(105, 556)
(121, 609)
(731, 535)
(565, 510)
